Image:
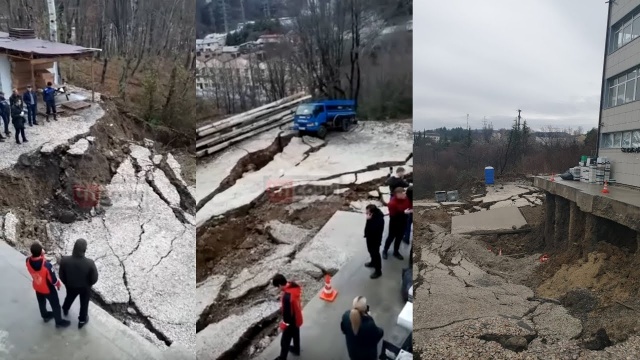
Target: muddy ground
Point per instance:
(600, 288)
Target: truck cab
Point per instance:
(318, 117)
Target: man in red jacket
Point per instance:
(46, 285)
(399, 209)
(291, 316)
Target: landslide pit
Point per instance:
(239, 251)
(579, 304)
(37, 203)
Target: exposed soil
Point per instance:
(225, 246)
(39, 189)
(601, 288)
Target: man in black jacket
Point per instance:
(78, 274)
(373, 233)
(18, 120)
(396, 181)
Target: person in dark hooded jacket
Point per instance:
(78, 274)
(360, 331)
(46, 285)
(373, 232)
(291, 308)
(18, 120)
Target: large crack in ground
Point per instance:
(251, 162)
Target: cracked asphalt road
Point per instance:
(144, 252)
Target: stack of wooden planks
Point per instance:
(218, 136)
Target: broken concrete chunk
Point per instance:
(48, 148)
(164, 186)
(384, 190)
(286, 233)
(207, 292)
(80, 147)
(176, 169)
(374, 194)
(361, 205)
(386, 198)
(218, 338)
(257, 276)
(148, 143)
(554, 323)
(157, 159)
(299, 266)
(10, 228)
(142, 156)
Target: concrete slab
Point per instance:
(23, 335)
(497, 219)
(320, 335)
(138, 234)
(218, 338)
(207, 293)
(209, 175)
(50, 135)
(339, 240)
(517, 202)
(287, 233)
(253, 184)
(495, 194)
(369, 176)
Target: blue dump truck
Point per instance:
(320, 116)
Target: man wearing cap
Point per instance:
(31, 101)
(49, 96)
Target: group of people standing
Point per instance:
(362, 335)
(77, 273)
(13, 110)
(400, 219)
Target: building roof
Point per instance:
(41, 47)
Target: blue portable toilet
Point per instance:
(488, 175)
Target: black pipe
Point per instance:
(604, 78)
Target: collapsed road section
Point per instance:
(486, 288)
(140, 228)
(264, 202)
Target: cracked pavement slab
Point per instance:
(461, 311)
(329, 163)
(145, 255)
(50, 135)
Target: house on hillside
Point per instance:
(26, 60)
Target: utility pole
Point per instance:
(53, 35)
(244, 15)
(267, 9)
(519, 118)
(225, 18)
(467, 121)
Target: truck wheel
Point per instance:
(345, 124)
(322, 132)
(302, 133)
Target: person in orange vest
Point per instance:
(46, 285)
(291, 316)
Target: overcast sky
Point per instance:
(492, 57)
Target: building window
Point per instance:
(625, 31)
(607, 141)
(626, 139)
(635, 139)
(622, 89)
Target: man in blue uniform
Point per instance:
(49, 96)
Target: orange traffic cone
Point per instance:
(328, 293)
(552, 177)
(605, 189)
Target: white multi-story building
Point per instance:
(211, 43)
